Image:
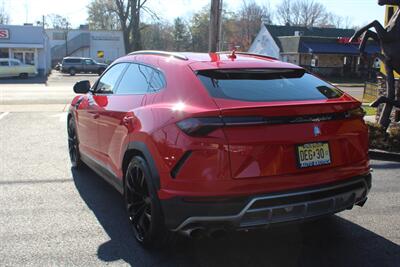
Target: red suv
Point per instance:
(202, 143)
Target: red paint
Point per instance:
(229, 161)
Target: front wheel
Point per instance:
(72, 71)
(73, 145)
(142, 204)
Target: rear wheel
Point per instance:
(72, 71)
(73, 145)
(142, 204)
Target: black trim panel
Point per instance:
(178, 166)
(105, 173)
(177, 210)
(140, 146)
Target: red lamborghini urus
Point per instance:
(201, 142)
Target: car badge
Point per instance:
(317, 131)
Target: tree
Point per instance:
(101, 16)
(199, 32)
(129, 15)
(4, 17)
(158, 36)
(250, 16)
(307, 13)
(58, 22)
(181, 35)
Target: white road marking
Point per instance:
(4, 114)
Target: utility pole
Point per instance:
(66, 39)
(215, 26)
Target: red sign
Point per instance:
(346, 40)
(4, 34)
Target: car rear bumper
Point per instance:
(187, 214)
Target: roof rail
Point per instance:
(159, 53)
(248, 54)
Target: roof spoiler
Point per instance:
(247, 54)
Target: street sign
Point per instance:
(100, 54)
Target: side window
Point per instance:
(108, 81)
(88, 62)
(4, 63)
(157, 81)
(14, 63)
(136, 80)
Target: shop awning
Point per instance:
(332, 48)
(14, 45)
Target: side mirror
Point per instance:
(82, 87)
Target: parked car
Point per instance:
(206, 143)
(73, 65)
(10, 67)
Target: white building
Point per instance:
(27, 43)
(264, 44)
(85, 43)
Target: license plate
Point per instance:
(313, 154)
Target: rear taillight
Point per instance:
(200, 126)
(205, 125)
(355, 113)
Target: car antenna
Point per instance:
(233, 54)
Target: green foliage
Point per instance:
(101, 15)
(199, 30)
(181, 35)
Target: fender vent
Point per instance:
(175, 170)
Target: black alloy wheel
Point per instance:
(142, 204)
(73, 147)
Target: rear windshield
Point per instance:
(266, 85)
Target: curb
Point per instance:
(384, 155)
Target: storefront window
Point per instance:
(4, 53)
(26, 56)
(19, 56)
(30, 58)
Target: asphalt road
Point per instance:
(51, 215)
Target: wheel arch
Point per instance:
(138, 148)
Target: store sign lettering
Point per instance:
(4, 34)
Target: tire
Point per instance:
(73, 145)
(143, 206)
(100, 71)
(23, 75)
(72, 71)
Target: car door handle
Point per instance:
(96, 115)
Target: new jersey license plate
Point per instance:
(313, 154)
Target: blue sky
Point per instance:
(361, 11)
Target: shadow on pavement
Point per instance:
(30, 80)
(387, 165)
(329, 242)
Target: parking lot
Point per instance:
(52, 215)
